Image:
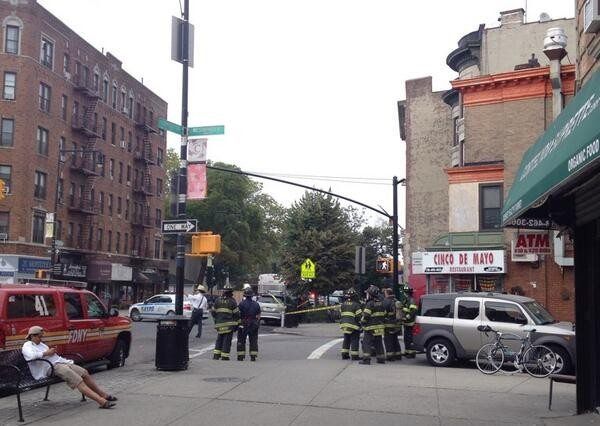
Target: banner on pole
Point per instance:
(196, 152)
(196, 177)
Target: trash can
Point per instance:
(172, 343)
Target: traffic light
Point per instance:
(384, 265)
(205, 243)
(2, 189)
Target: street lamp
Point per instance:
(98, 159)
(395, 183)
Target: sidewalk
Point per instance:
(305, 392)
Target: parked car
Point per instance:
(75, 321)
(159, 305)
(446, 326)
(271, 308)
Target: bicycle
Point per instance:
(537, 360)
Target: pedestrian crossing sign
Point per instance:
(307, 270)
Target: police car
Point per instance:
(158, 305)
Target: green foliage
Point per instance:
(317, 227)
(377, 241)
(246, 219)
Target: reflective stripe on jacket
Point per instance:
(409, 311)
(350, 316)
(226, 314)
(373, 316)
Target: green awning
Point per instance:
(565, 150)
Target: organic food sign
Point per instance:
(532, 242)
(464, 262)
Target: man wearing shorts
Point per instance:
(75, 376)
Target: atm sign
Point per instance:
(532, 242)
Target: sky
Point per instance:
(303, 88)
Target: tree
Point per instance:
(245, 218)
(317, 227)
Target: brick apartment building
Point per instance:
(463, 149)
(78, 137)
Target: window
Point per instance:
(126, 209)
(490, 201)
(129, 141)
(110, 204)
(159, 187)
(159, 158)
(111, 168)
(40, 185)
(99, 239)
(105, 90)
(504, 312)
(10, 84)
(118, 243)
(113, 133)
(119, 205)
(128, 174)
(72, 194)
(79, 235)
(38, 227)
(63, 107)
(126, 243)
(120, 172)
(62, 145)
(157, 249)
(31, 306)
(96, 82)
(75, 110)
(101, 202)
(158, 219)
(4, 216)
(5, 174)
(104, 127)
(60, 190)
(70, 234)
(42, 141)
(66, 63)
(124, 101)
(11, 39)
(109, 248)
(47, 52)
(90, 238)
(95, 308)
(44, 95)
(130, 107)
(468, 309)
(8, 132)
(440, 308)
(73, 306)
(114, 96)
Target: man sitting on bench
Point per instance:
(75, 376)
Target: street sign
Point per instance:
(206, 130)
(307, 269)
(171, 127)
(180, 226)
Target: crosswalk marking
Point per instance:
(318, 353)
(202, 351)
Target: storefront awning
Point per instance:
(569, 146)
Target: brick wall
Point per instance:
(588, 48)
(428, 141)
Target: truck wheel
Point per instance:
(135, 315)
(117, 358)
(440, 352)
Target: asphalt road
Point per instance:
(143, 347)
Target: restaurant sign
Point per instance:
(463, 262)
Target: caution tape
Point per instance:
(313, 310)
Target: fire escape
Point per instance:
(143, 188)
(84, 163)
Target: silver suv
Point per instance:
(446, 326)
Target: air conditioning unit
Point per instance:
(528, 257)
(125, 110)
(128, 184)
(591, 16)
(123, 144)
(67, 75)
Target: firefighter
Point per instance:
(226, 315)
(372, 322)
(409, 314)
(351, 312)
(392, 327)
(249, 323)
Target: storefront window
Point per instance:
(489, 283)
(463, 282)
(439, 284)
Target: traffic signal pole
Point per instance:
(182, 181)
(395, 236)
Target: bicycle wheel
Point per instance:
(489, 358)
(539, 361)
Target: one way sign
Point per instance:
(179, 226)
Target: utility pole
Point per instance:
(395, 271)
(182, 184)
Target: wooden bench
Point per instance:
(559, 378)
(16, 378)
